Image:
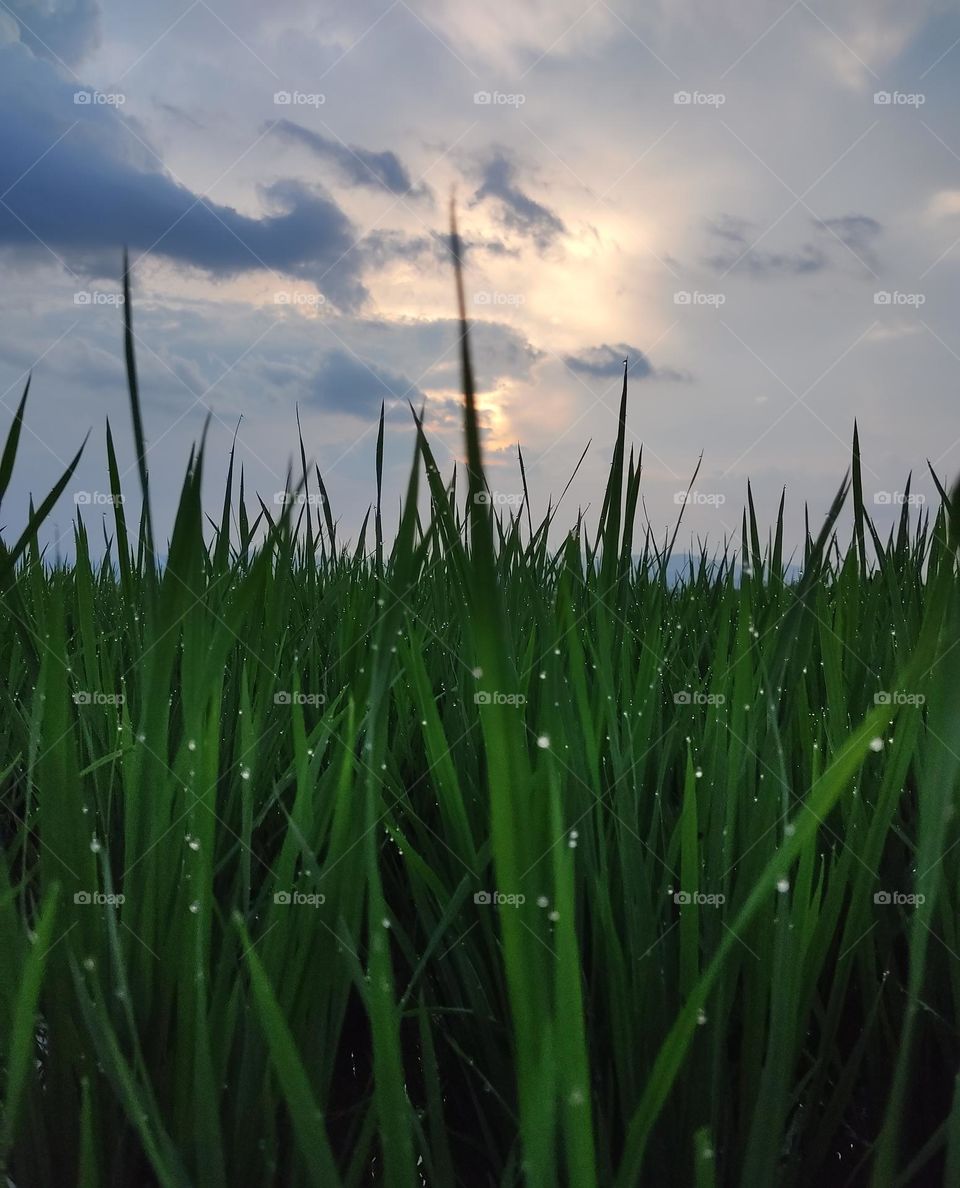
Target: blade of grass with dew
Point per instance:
(22, 1039)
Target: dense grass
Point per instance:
(384, 733)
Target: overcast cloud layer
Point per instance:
(755, 204)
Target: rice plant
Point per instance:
(476, 857)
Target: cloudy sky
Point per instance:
(756, 202)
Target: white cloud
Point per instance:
(508, 35)
(944, 204)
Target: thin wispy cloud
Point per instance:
(515, 209)
(358, 166)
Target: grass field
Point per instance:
(475, 859)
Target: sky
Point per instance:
(756, 203)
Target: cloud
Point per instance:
(220, 349)
(865, 36)
(517, 210)
(858, 232)
(606, 362)
(178, 114)
(79, 184)
(739, 247)
(344, 383)
(61, 30)
(944, 204)
(381, 248)
(392, 361)
(736, 250)
(359, 166)
(429, 350)
(511, 36)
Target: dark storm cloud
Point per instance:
(359, 166)
(346, 384)
(79, 184)
(64, 30)
(517, 210)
